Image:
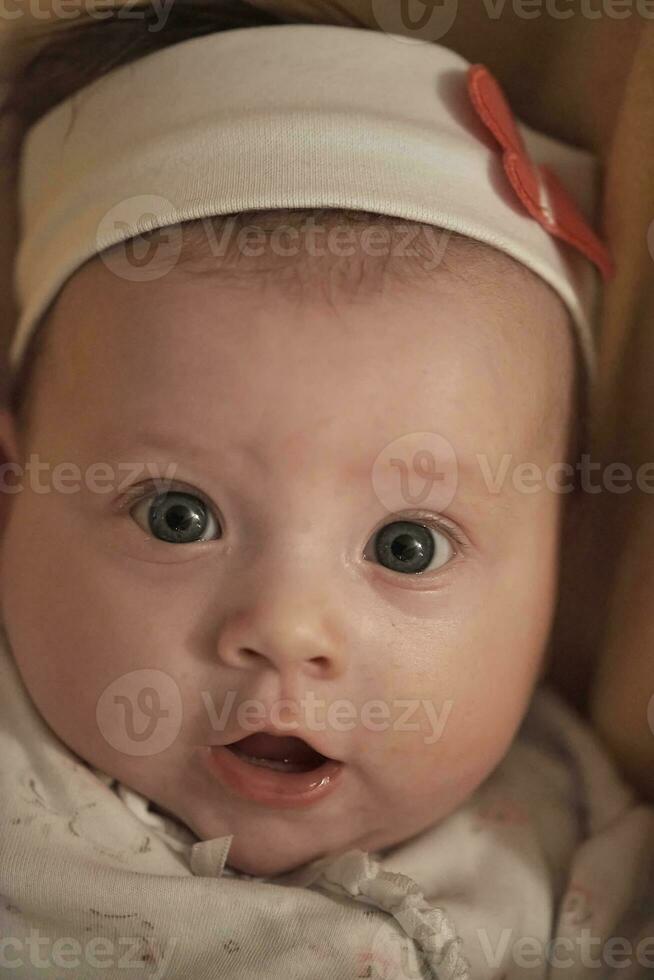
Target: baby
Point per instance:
(273, 570)
(287, 573)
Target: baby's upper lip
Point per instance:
(293, 731)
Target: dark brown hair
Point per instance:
(62, 57)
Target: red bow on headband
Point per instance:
(540, 191)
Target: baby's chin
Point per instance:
(268, 858)
(268, 844)
(265, 852)
(263, 862)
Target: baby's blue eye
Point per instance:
(411, 548)
(178, 518)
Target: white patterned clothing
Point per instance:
(546, 865)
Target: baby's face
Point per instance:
(273, 416)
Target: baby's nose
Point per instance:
(289, 636)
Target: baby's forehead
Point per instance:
(465, 352)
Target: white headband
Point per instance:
(297, 116)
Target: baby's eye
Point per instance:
(408, 547)
(176, 517)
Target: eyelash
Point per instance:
(134, 495)
(442, 525)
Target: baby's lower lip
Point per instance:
(270, 787)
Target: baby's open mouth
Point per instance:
(278, 771)
(283, 753)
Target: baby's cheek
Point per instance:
(63, 619)
(457, 699)
(427, 774)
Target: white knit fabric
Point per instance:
(95, 883)
(282, 116)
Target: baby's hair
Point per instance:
(60, 57)
(65, 56)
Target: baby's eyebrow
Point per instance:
(176, 447)
(468, 469)
(402, 462)
(464, 471)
